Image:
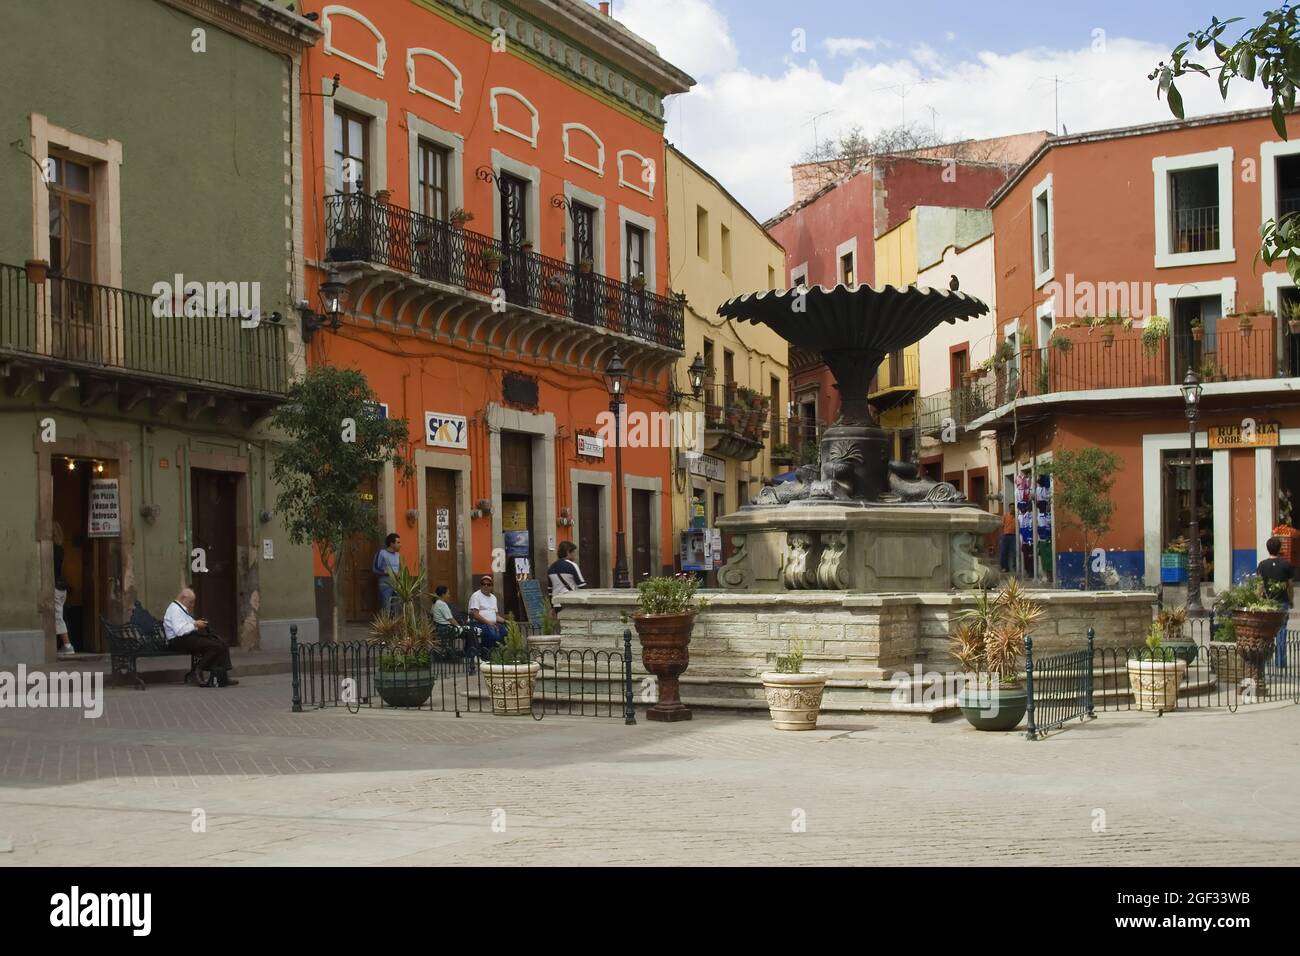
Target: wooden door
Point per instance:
(212, 527)
(641, 556)
(442, 518)
(517, 499)
(360, 590)
(589, 534)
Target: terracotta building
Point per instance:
(487, 182)
(1156, 227)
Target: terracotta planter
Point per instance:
(794, 700)
(1294, 326)
(37, 271)
(511, 687)
(1155, 683)
(1198, 334)
(665, 640)
(1256, 641)
(1108, 339)
(382, 196)
(1245, 330)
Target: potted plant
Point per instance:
(458, 217)
(663, 626)
(1198, 330)
(526, 245)
(1210, 371)
(37, 271)
(782, 454)
(637, 282)
(560, 282)
(585, 265)
(1173, 562)
(1154, 673)
(1245, 325)
(510, 673)
(1293, 318)
(382, 196)
(492, 257)
(1062, 343)
(1256, 618)
(794, 696)
(1155, 331)
(988, 644)
(406, 638)
(1225, 659)
(1170, 621)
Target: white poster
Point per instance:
(445, 431)
(522, 567)
(444, 518)
(105, 510)
(444, 539)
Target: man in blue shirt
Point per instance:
(388, 558)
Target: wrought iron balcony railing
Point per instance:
(360, 228)
(99, 327)
(1196, 228)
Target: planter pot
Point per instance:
(1155, 683)
(1197, 334)
(1108, 339)
(1227, 662)
(382, 196)
(1294, 326)
(794, 700)
(409, 688)
(1256, 641)
(1245, 331)
(993, 708)
(544, 643)
(511, 687)
(665, 640)
(1287, 541)
(37, 271)
(1186, 651)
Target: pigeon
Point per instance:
(954, 284)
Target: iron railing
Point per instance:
(98, 326)
(1196, 228)
(960, 406)
(360, 228)
(577, 683)
(737, 409)
(1059, 688)
(1287, 205)
(898, 370)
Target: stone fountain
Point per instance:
(858, 521)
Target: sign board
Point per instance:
(706, 466)
(1260, 435)
(531, 592)
(514, 516)
(443, 542)
(517, 544)
(522, 567)
(442, 430)
(589, 446)
(105, 509)
(443, 518)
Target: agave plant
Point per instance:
(990, 637)
(407, 633)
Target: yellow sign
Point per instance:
(514, 516)
(1248, 435)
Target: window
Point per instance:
(958, 365)
(635, 249)
(846, 270)
(1193, 208)
(514, 208)
(774, 391)
(728, 367)
(799, 277)
(1043, 224)
(433, 199)
(351, 151)
(726, 251)
(708, 361)
(72, 214)
(720, 505)
(1288, 185)
(583, 218)
(702, 233)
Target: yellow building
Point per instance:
(717, 250)
(894, 392)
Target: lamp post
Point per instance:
(334, 299)
(615, 379)
(1192, 403)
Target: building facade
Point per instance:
(1189, 197)
(717, 250)
(486, 180)
(144, 303)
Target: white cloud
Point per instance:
(747, 128)
(847, 46)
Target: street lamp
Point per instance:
(334, 296)
(615, 381)
(1192, 403)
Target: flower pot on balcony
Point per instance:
(1108, 338)
(1198, 333)
(1294, 326)
(584, 266)
(37, 271)
(382, 196)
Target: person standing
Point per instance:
(1007, 552)
(564, 573)
(60, 594)
(483, 612)
(185, 632)
(1276, 575)
(387, 559)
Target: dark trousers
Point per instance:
(490, 635)
(216, 656)
(1007, 555)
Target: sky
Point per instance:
(773, 74)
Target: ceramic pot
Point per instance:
(794, 700)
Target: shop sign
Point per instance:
(706, 466)
(445, 431)
(589, 446)
(1247, 435)
(105, 509)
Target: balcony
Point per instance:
(956, 406)
(737, 421)
(429, 260)
(1196, 229)
(63, 334)
(896, 381)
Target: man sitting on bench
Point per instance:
(186, 633)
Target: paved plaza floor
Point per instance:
(417, 788)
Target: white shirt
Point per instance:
(177, 622)
(485, 604)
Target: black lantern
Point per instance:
(615, 378)
(697, 375)
(1191, 391)
(335, 299)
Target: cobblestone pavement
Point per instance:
(329, 787)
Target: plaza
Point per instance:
(398, 788)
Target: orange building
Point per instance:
(485, 179)
(1156, 226)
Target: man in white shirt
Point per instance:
(483, 612)
(185, 632)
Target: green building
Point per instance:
(150, 268)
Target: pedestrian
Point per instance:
(483, 612)
(1276, 574)
(387, 560)
(60, 594)
(1007, 552)
(444, 622)
(185, 632)
(564, 573)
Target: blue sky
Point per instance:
(969, 70)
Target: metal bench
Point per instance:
(141, 636)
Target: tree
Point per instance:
(840, 156)
(1268, 54)
(1082, 481)
(334, 440)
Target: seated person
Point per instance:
(446, 622)
(186, 633)
(483, 614)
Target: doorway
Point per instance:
(360, 590)
(641, 557)
(443, 518)
(87, 563)
(516, 517)
(589, 532)
(212, 496)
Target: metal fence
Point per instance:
(1206, 673)
(577, 683)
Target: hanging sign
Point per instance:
(445, 431)
(105, 509)
(1259, 435)
(514, 515)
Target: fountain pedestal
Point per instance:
(834, 546)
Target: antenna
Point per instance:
(813, 121)
(1056, 81)
(902, 89)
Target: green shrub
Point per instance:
(668, 595)
(791, 662)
